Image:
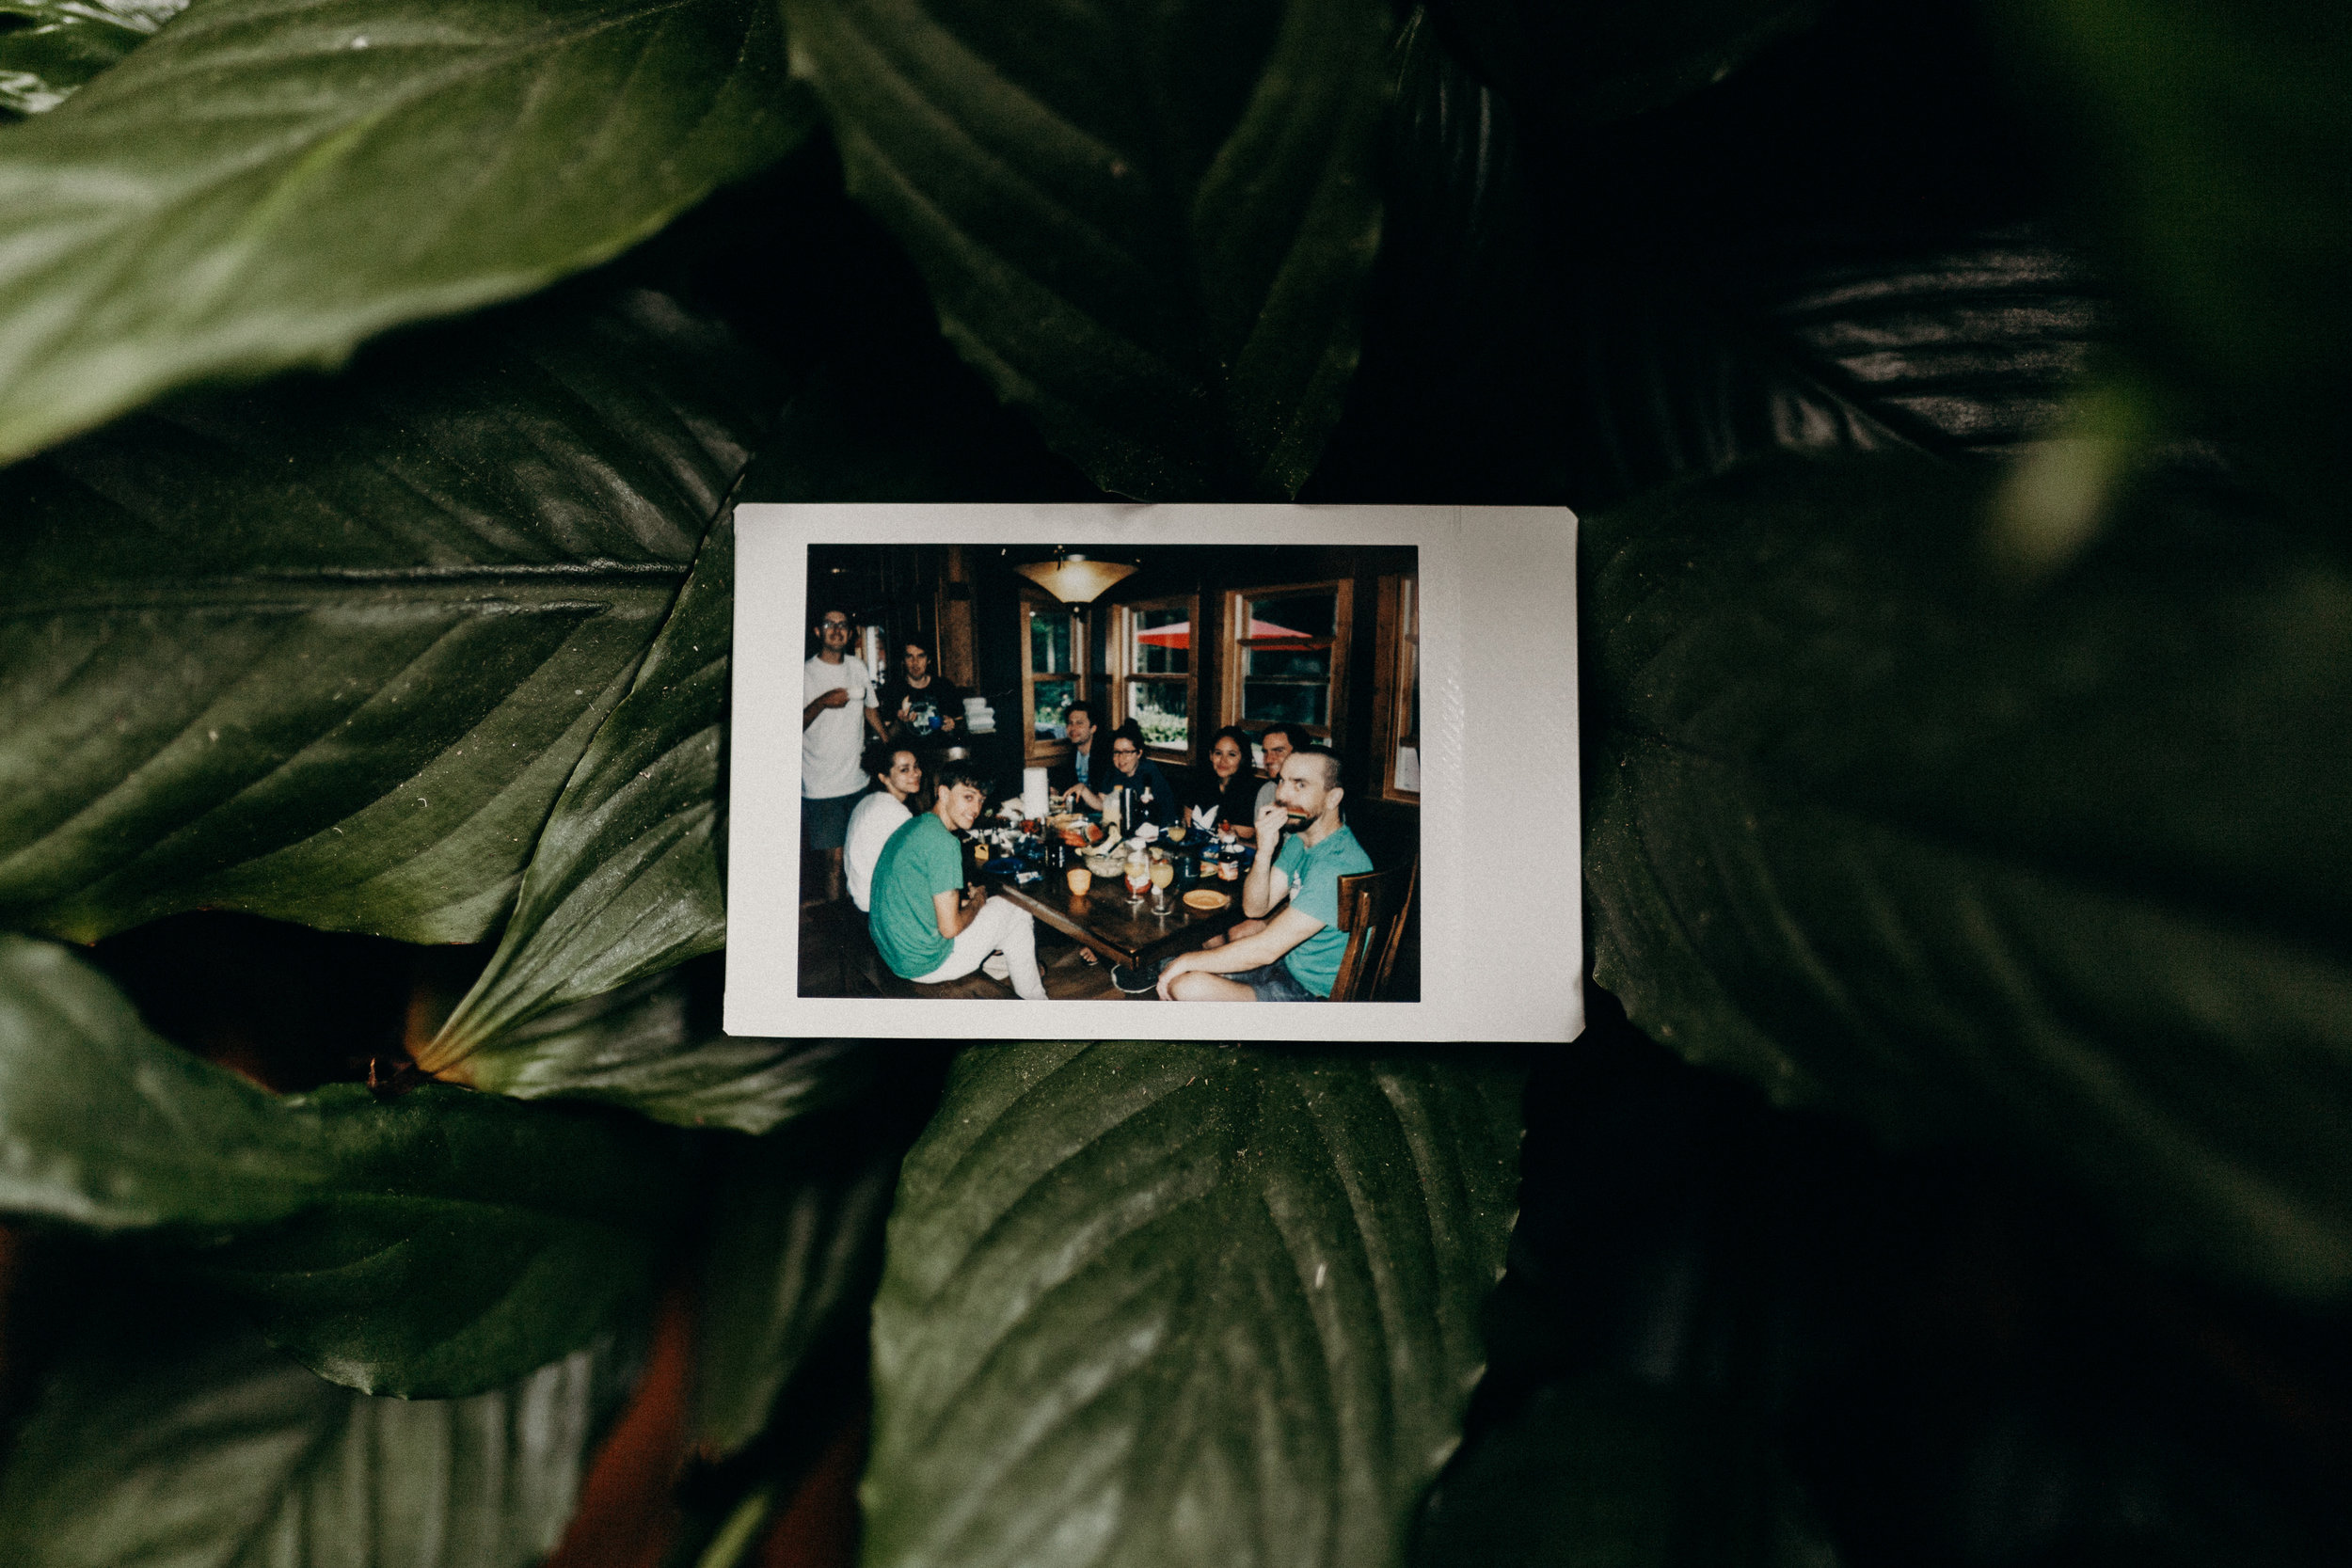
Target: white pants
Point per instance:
(1000, 926)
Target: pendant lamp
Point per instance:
(1073, 579)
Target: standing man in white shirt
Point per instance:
(838, 705)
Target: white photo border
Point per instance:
(1501, 928)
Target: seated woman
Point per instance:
(898, 772)
(1139, 775)
(1224, 794)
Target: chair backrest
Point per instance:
(1373, 907)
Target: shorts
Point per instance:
(1274, 982)
(825, 820)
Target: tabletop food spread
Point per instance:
(1127, 897)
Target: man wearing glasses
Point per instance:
(837, 693)
(1277, 742)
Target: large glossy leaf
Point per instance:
(1964, 350)
(2064, 871)
(656, 1047)
(1150, 229)
(270, 182)
(329, 654)
(172, 1436)
(48, 48)
(436, 1244)
(1604, 58)
(1231, 1296)
(2210, 143)
(796, 1236)
(1463, 342)
(625, 881)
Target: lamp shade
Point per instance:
(1073, 579)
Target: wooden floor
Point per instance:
(828, 970)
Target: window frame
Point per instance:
(1033, 747)
(1233, 652)
(1122, 663)
(1397, 636)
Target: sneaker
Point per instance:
(1139, 982)
(996, 967)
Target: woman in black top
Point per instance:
(1138, 774)
(1224, 793)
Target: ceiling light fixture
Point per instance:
(1075, 580)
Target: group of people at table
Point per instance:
(863, 767)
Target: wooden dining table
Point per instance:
(1104, 920)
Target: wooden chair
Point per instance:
(1373, 908)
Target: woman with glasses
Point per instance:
(1154, 797)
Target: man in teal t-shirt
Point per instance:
(1293, 955)
(924, 924)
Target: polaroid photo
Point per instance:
(1006, 771)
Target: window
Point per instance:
(1396, 703)
(1290, 655)
(1054, 676)
(1158, 671)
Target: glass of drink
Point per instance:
(1080, 879)
(1138, 878)
(1162, 872)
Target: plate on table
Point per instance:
(1206, 898)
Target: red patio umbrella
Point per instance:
(1180, 634)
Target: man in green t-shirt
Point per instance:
(925, 927)
(1294, 954)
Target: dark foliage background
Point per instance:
(1953, 1171)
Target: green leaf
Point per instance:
(329, 654)
(1177, 1304)
(626, 879)
(2210, 143)
(656, 1047)
(1151, 232)
(266, 184)
(796, 1241)
(170, 1436)
(1464, 346)
(433, 1245)
(48, 48)
(2066, 873)
(1602, 61)
(1965, 350)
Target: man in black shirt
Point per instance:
(918, 704)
